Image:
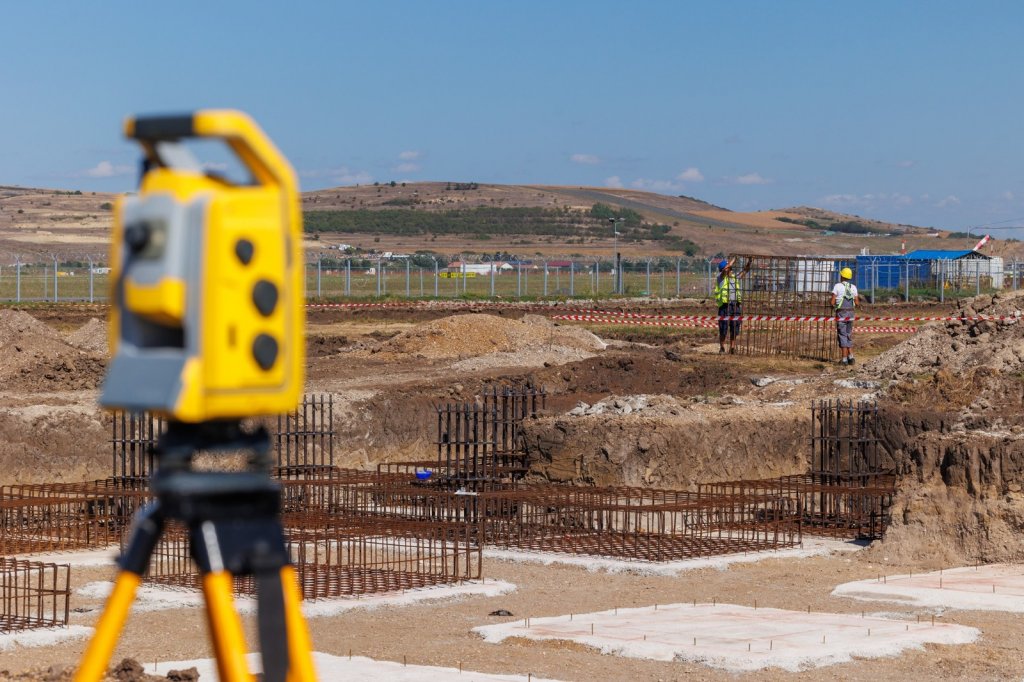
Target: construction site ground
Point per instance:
(640, 406)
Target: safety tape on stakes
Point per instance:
(703, 324)
(807, 318)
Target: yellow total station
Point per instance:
(207, 316)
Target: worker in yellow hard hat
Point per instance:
(844, 302)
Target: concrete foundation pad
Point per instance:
(808, 548)
(735, 638)
(343, 668)
(158, 598)
(43, 636)
(991, 587)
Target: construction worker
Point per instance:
(729, 298)
(844, 301)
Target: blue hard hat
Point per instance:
(722, 264)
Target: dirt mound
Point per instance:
(464, 336)
(954, 425)
(34, 357)
(91, 337)
(957, 346)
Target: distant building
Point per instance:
(478, 268)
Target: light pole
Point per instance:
(616, 284)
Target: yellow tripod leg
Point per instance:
(108, 629)
(225, 628)
(300, 651)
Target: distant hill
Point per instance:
(468, 217)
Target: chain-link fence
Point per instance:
(880, 278)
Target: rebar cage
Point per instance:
(788, 286)
(33, 594)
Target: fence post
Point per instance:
(545, 279)
(56, 295)
(977, 276)
(90, 279)
(906, 286)
(319, 272)
(420, 270)
(679, 281)
(942, 281)
(436, 278)
(519, 279)
(597, 277)
(408, 273)
(648, 278)
(348, 276)
(572, 278)
(17, 279)
(493, 265)
(378, 277)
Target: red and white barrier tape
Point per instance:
(702, 323)
(806, 318)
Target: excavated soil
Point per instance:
(639, 411)
(953, 424)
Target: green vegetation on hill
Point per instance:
(846, 226)
(485, 222)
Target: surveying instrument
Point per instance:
(206, 330)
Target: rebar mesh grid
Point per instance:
(788, 286)
(848, 506)
(481, 441)
(304, 438)
(636, 523)
(33, 594)
(348, 555)
(843, 437)
(133, 437)
(48, 517)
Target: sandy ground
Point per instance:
(440, 633)
(47, 430)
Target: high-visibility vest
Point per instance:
(722, 289)
(847, 295)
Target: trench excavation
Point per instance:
(424, 523)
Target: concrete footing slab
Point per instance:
(989, 587)
(331, 668)
(735, 638)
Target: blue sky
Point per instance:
(907, 112)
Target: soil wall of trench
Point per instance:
(677, 451)
(960, 492)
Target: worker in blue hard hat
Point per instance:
(729, 297)
(844, 301)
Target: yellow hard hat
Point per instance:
(846, 273)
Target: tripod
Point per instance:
(234, 527)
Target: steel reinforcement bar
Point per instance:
(636, 523)
(33, 594)
(787, 286)
(63, 516)
(849, 506)
(481, 441)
